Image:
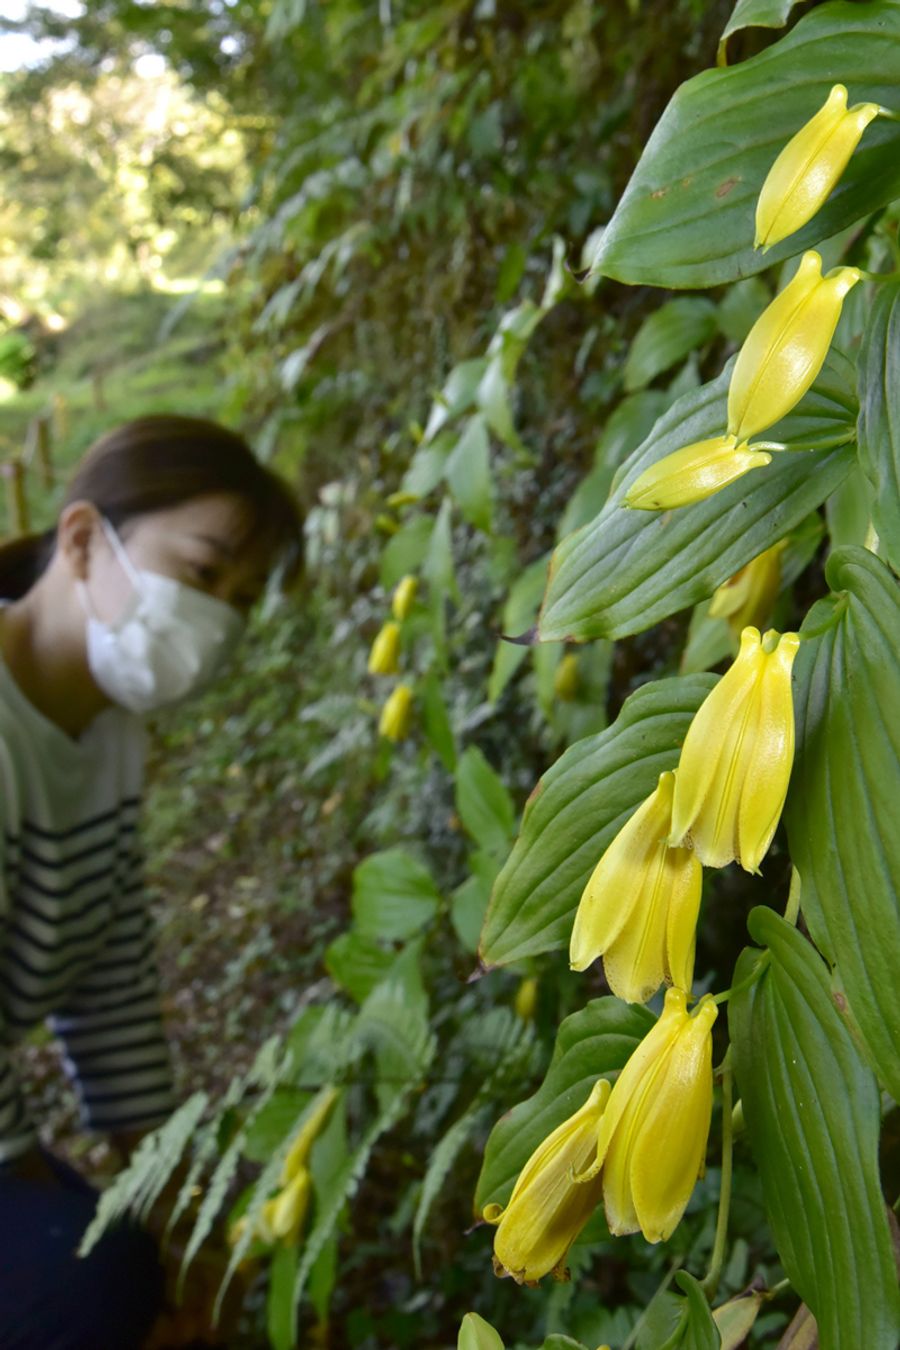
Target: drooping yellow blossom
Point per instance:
(477, 1334)
(693, 473)
(309, 1131)
(548, 1207)
(396, 714)
(385, 650)
(748, 597)
(525, 1001)
(639, 909)
(736, 759)
(565, 679)
(283, 1215)
(784, 350)
(809, 166)
(403, 597)
(651, 1142)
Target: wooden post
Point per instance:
(43, 450)
(60, 417)
(13, 471)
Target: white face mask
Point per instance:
(171, 641)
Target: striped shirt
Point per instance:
(76, 936)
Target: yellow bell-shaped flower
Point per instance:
(639, 909)
(385, 650)
(784, 350)
(525, 1002)
(396, 714)
(736, 759)
(403, 597)
(693, 473)
(282, 1217)
(809, 166)
(548, 1207)
(651, 1142)
(566, 679)
(748, 597)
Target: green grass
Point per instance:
(143, 371)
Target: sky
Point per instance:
(16, 50)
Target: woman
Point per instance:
(168, 534)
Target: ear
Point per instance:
(76, 534)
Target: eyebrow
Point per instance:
(215, 543)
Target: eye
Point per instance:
(205, 573)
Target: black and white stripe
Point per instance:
(77, 944)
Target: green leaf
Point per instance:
(427, 467)
(437, 565)
(484, 805)
(357, 963)
(756, 14)
(468, 473)
(879, 415)
(741, 306)
(457, 395)
(628, 569)
(696, 1329)
(393, 1022)
(519, 613)
(467, 910)
(709, 641)
(437, 721)
(577, 808)
(406, 551)
(595, 1041)
(394, 896)
(841, 807)
(812, 1113)
(280, 1299)
(847, 510)
(666, 336)
(687, 216)
(493, 400)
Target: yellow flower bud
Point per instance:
(526, 998)
(298, 1154)
(565, 680)
(396, 714)
(736, 759)
(477, 1334)
(548, 1207)
(385, 650)
(693, 473)
(809, 166)
(784, 350)
(639, 909)
(651, 1141)
(748, 597)
(403, 597)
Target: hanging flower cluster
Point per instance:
(722, 803)
(786, 347)
(384, 659)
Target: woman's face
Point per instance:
(201, 543)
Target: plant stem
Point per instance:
(792, 910)
(764, 959)
(711, 1283)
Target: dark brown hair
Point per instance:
(161, 461)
